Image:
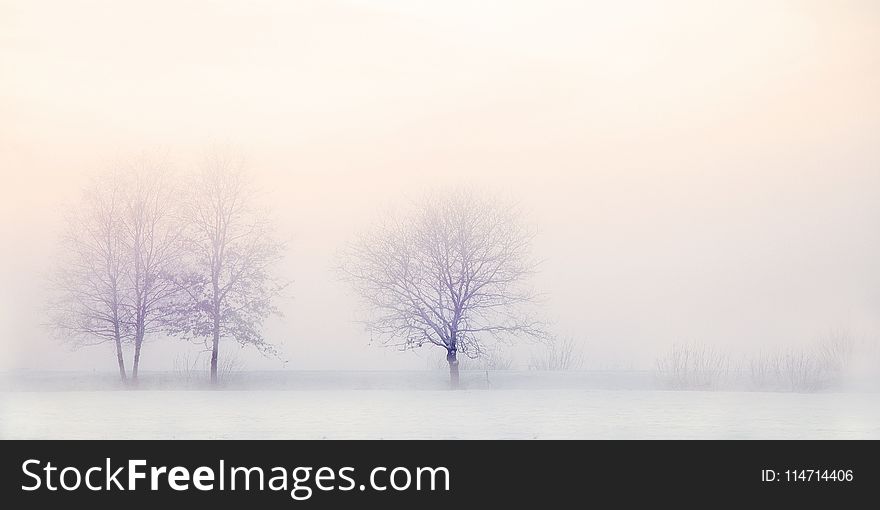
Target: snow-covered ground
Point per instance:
(524, 406)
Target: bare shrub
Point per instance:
(801, 370)
(490, 359)
(822, 365)
(866, 363)
(558, 355)
(798, 370)
(191, 369)
(230, 366)
(836, 353)
(765, 371)
(495, 359)
(187, 368)
(693, 366)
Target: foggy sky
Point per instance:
(696, 170)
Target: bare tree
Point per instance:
(230, 253)
(114, 281)
(154, 244)
(88, 285)
(452, 273)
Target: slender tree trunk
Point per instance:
(138, 342)
(120, 360)
(137, 358)
(117, 336)
(453, 367)
(215, 347)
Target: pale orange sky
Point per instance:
(699, 170)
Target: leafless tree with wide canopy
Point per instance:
(451, 272)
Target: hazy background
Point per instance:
(696, 170)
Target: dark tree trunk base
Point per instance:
(453, 369)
